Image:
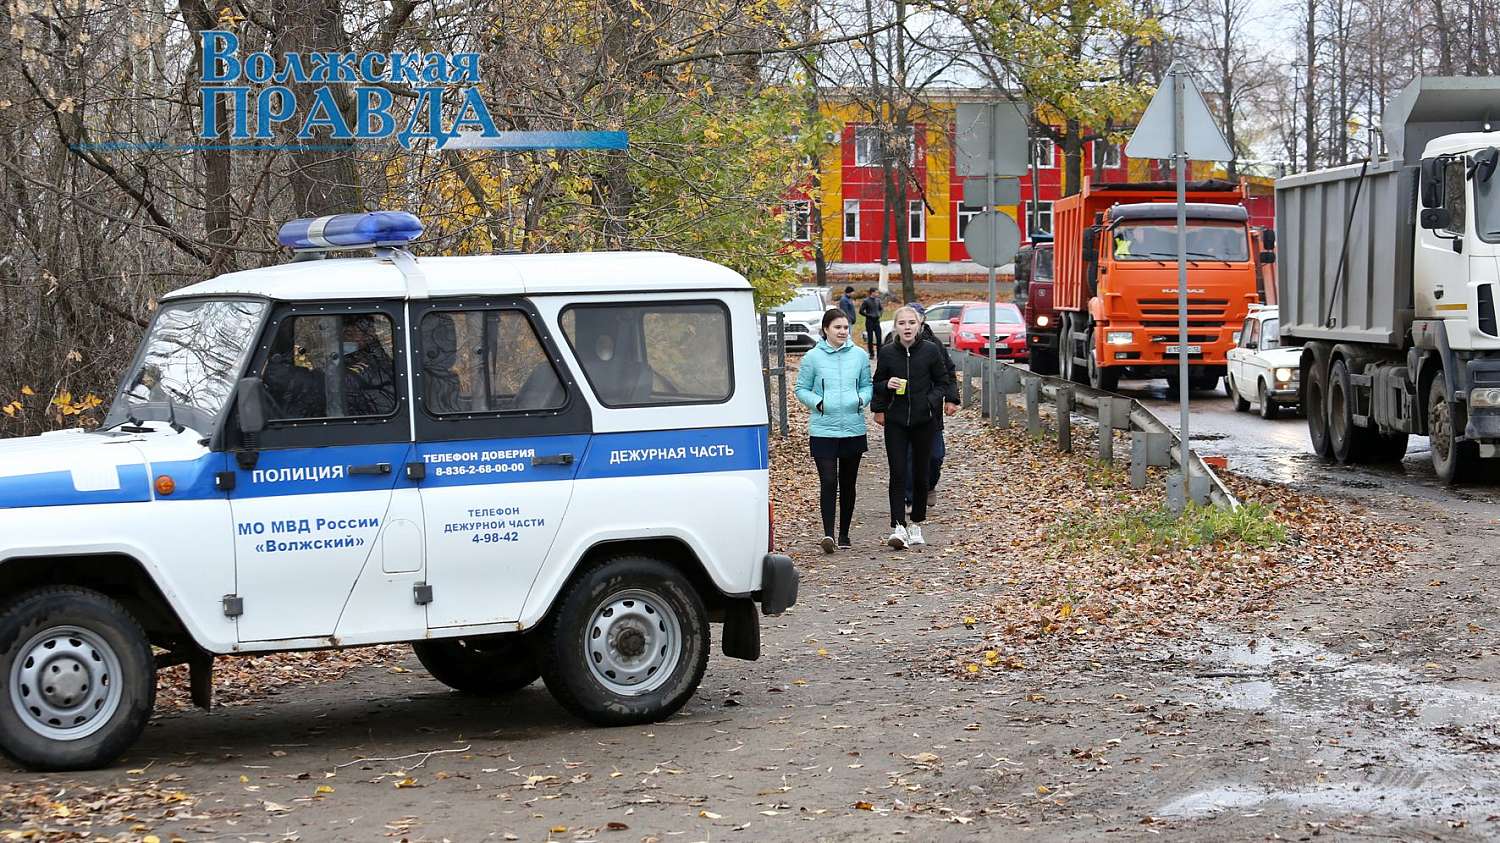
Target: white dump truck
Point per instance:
(1387, 273)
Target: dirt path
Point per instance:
(1365, 709)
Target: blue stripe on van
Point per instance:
(55, 488)
(479, 462)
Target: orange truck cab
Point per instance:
(1115, 288)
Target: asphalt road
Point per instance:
(1278, 451)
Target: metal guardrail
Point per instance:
(1153, 443)
(773, 341)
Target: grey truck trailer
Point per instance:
(1386, 277)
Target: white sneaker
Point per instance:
(914, 535)
(898, 537)
(827, 544)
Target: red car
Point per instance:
(971, 331)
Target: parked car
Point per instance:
(1260, 370)
(939, 318)
(804, 318)
(971, 329)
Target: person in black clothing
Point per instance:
(939, 447)
(872, 308)
(369, 374)
(911, 384)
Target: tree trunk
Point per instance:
(1309, 90)
(217, 172)
(1072, 144)
(321, 181)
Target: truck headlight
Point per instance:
(1484, 398)
(1043, 321)
(1119, 337)
(1284, 374)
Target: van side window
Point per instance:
(653, 354)
(331, 367)
(485, 361)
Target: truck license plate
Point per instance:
(1192, 349)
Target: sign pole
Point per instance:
(1179, 157)
(994, 219)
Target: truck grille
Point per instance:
(1487, 309)
(1162, 313)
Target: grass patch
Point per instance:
(1158, 529)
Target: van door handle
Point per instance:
(373, 468)
(553, 459)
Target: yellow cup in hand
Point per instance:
(900, 385)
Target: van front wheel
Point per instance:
(485, 665)
(627, 643)
(80, 679)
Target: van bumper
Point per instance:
(778, 584)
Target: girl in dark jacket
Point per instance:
(909, 376)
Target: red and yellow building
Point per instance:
(850, 193)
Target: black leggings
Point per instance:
(898, 438)
(836, 476)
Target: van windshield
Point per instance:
(188, 363)
(1157, 240)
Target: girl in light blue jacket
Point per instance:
(834, 382)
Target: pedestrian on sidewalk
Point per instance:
(939, 447)
(846, 303)
(835, 385)
(872, 308)
(912, 388)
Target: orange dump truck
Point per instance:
(1116, 280)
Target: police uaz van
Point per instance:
(528, 466)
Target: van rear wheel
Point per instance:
(484, 665)
(627, 643)
(80, 677)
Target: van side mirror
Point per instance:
(1267, 256)
(1432, 185)
(250, 403)
(1091, 244)
(1268, 238)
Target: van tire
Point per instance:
(94, 642)
(637, 602)
(484, 665)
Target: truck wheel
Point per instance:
(1106, 378)
(1316, 409)
(627, 643)
(485, 665)
(1241, 404)
(1203, 383)
(1350, 444)
(1269, 409)
(80, 676)
(1452, 460)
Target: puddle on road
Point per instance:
(1405, 746)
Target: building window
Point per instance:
(916, 220)
(1043, 153)
(851, 219)
(796, 220)
(963, 213)
(1043, 218)
(867, 141)
(1106, 155)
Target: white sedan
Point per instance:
(1261, 372)
(937, 317)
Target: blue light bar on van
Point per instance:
(351, 231)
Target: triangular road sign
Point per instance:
(1202, 140)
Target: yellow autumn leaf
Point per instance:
(323, 788)
(1043, 789)
(26, 390)
(971, 667)
(1065, 610)
(150, 838)
(407, 782)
